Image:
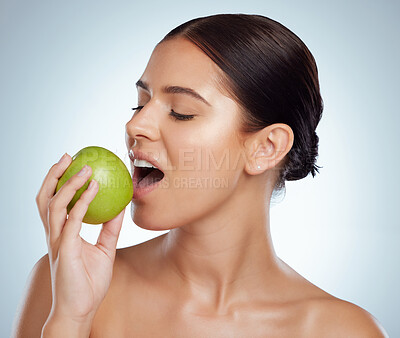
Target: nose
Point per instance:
(143, 126)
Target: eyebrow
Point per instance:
(176, 90)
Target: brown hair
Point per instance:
(271, 74)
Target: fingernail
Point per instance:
(62, 157)
(91, 184)
(83, 170)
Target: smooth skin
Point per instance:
(80, 273)
(215, 273)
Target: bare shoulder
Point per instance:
(36, 301)
(334, 317)
(323, 315)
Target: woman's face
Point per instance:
(201, 157)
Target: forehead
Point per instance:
(180, 62)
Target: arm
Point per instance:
(36, 302)
(34, 318)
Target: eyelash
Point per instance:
(174, 114)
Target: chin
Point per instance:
(148, 221)
(152, 227)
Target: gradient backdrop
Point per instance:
(67, 74)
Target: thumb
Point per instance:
(109, 233)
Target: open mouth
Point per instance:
(147, 176)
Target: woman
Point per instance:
(228, 107)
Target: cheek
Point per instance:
(204, 151)
(208, 166)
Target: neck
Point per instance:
(226, 255)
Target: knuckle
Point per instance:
(79, 209)
(83, 202)
(75, 182)
(70, 184)
(86, 199)
(53, 204)
(51, 243)
(53, 167)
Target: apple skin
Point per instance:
(115, 183)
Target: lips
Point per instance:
(145, 179)
(136, 154)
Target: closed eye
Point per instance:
(174, 114)
(180, 116)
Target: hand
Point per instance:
(80, 272)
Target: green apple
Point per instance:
(115, 183)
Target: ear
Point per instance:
(267, 147)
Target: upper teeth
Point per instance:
(143, 163)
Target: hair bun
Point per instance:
(302, 160)
(270, 73)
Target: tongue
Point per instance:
(154, 176)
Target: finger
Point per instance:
(49, 185)
(109, 234)
(73, 224)
(59, 203)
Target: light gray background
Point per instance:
(67, 81)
